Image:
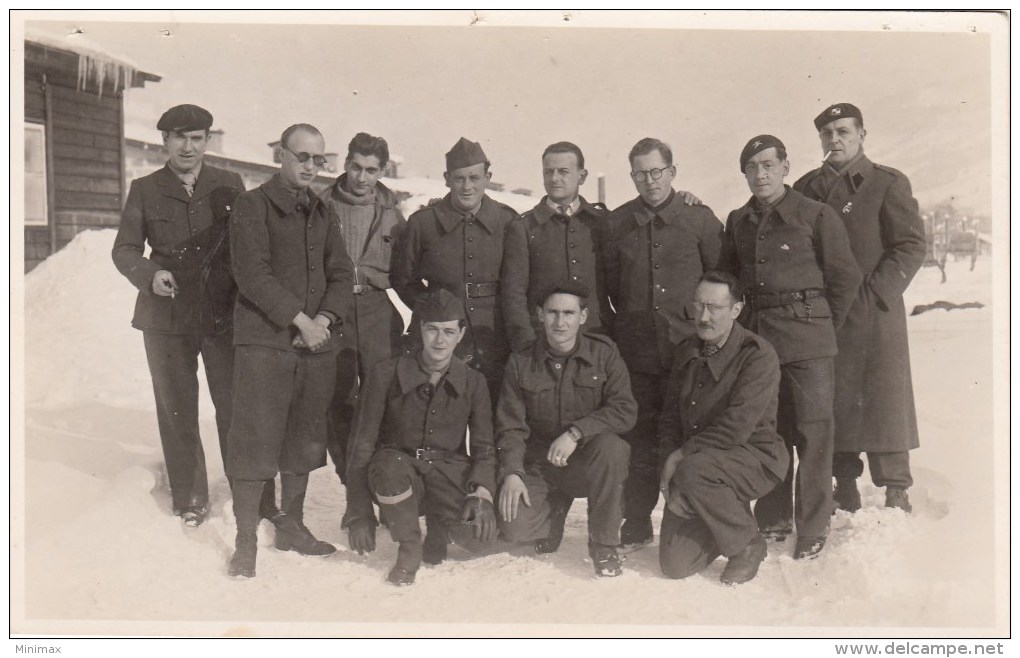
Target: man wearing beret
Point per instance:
(186, 297)
(463, 244)
(409, 450)
(565, 402)
(295, 281)
(657, 250)
(793, 257)
(874, 406)
(564, 236)
(718, 442)
(370, 219)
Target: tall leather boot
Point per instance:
(267, 504)
(559, 506)
(291, 533)
(436, 540)
(408, 561)
(246, 515)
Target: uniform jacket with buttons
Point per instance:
(542, 398)
(441, 248)
(654, 259)
(727, 401)
(394, 412)
(288, 258)
(559, 249)
(187, 236)
(874, 404)
(801, 246)
(372, 265)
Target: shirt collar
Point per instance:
(575, 205)
(410, 375)
(283, 197)
(718, 362)
(667, 210)
(449, 216)
(584, 352)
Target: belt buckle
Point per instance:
(360, 289)
(467, 290)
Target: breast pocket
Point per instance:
(162, 227)
(539, 397)
(588, 390)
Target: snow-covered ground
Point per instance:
(102, 553)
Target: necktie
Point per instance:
(708, 350)
(189, 182)
(564, 210)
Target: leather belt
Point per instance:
(363, 288)
(429, 454)
(760, 300)
(475, 290)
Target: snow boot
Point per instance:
(636, 533)
(408, 560)
(291, 533)
(559, 505)
(608, 563)
(846, 496)
(246, 514)
(267, 504)
(808, 548)
(897, 497)
(743, 566)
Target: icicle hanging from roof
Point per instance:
(102, 68)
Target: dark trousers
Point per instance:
(805, 422)
(596, 471)
(173, 365)
(370, 336)
(281, 399)
(641, 492)
(888, 469)
(718, 485)
(405, 488)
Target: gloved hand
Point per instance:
(361, 536)
(480, 513)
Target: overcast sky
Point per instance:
(925, 95)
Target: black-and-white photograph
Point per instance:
(488, 323)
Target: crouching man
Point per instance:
(408, 448)
(718, 440)
(564, 403)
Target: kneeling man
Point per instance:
(564, 403)
(718, 440)
(409, 450)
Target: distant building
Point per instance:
(494, 186)
(74, 146)
(521, 190)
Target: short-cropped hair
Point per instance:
(368, 145)
(566, 147)
(307, 127)
(730, 281)
(649, 144)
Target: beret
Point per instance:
(567, 287)
(182, 118)
(465, 153)
(838, 111)
(439, 306)
(756, 145)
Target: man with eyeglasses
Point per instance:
(717, 439)
(874, 408)
(793, 257)
(295, 282)
(186, 296)
(370, 220)
(658, 248)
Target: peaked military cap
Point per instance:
(838, 111)
(439, 306)
(756, 145)
(567, 287)
(182, 118)
(464, 154)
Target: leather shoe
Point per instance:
(743, 566)
(194, 516)
(846, 496)
(559, 505)
(608, 563)
(243, 561)
(636, 533)
(777, 532)
(808, 548)
(294, 536)
(408, 560)
(897, 497)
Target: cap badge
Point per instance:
(757, 143)
(836, 111)
(847, 207)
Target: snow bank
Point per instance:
(102, 546)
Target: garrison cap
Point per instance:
(567, 287)
(838, 111)
(756, 145)
(182, 118)
(439, 306)
(464, 154)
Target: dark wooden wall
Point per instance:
(87, 146)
